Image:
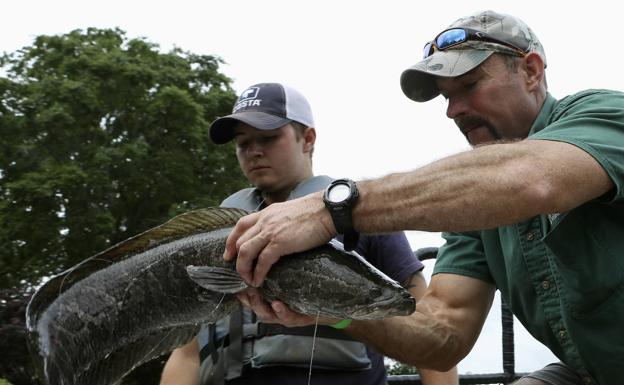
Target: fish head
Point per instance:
(384, 301)
(333, 283)
(367, 292)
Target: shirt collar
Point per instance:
(544, 115)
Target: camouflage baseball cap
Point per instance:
(418, 82)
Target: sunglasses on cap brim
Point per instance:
(455, 36)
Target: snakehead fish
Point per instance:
(145, 296)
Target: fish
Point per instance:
(141, 298)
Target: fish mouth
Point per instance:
(388, 307)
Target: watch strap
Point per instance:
(351, 240)
(341, 216)
(341, 213)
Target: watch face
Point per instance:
(339, 193)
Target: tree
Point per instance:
(102, 137)
(14, 364)
(396, 368)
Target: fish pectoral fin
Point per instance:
(219, 279)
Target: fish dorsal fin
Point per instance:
(192, 222)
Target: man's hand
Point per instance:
(277, 312)
(261, 239)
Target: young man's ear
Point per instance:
(309, 138)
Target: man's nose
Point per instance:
(254, 148)
(456, 107)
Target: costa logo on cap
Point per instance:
(247, 99)
(249, 93)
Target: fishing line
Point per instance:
(219, 304)
(313, 343)
(148, 355)
(171, 331)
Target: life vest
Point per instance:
(239, 342)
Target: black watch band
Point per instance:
(340, 204)
(350, 240)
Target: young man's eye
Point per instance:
(268, 138)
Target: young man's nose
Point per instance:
(254, 148)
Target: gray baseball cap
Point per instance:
(265, 106)
(418, 82)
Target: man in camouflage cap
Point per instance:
(515, 37)
(534, 210)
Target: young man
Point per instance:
(534, 210)
(273, 129)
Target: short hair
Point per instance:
(299, 129)
(512, 62)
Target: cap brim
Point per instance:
(418, 82)
(222, 129)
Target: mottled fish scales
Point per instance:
(135, 301)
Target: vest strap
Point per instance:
(261, 329)
(234, 352)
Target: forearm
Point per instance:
(434, 377)
(417, 286)
(486, 187)
(416, 340)
(442, 330)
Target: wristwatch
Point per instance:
(339, 198)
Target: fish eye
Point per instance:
(375, 292)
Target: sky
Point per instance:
(346, 56)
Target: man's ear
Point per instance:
(533, 65)
(309, 138)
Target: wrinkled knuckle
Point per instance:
(268, 256)
(263, 257)
(243, 249)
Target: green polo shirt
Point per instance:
(562, 274)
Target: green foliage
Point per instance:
(14, 365)
(4, 382)
(102, 138)
(397, 368)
